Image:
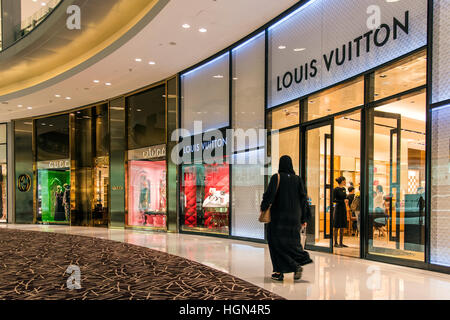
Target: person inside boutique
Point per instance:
(340, 212)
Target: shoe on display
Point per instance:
(216, 199)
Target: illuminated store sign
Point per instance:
(207, 145)
(149, 153)
(54, 164)
(326, 42)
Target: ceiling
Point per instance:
(163, 41)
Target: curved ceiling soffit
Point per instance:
(52, 53)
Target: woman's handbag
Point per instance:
(264, 216)
(303, 237)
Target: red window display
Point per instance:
(205, 190)
(147, 193)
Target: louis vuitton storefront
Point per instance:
(348, 89)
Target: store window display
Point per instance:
(53, 193)
(53, 170)
(147, 188)
(3, 175)
(205, 192)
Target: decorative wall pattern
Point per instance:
(440, 188)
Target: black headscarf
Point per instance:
(285, 165)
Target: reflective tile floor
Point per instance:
(330, 277)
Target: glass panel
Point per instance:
(3, 184)
(100, 213)
(53, 195)
(3, 133)
(401, 76)
(118, 146)
(210, 106)
(440, 49)
(248, 188)
(285, 143)
(397, 176)
(24, 185)
(284, 116)
(172, 168)
(147, 194)
(205, 198)
(248, 85)
(147, 118)
(52, 138)
(347, 164)
(336, 99)
(440, 188)
(318, 153)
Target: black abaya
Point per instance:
(283, 232)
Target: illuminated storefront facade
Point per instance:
(354, 90)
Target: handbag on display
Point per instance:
(264, 216)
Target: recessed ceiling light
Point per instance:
(152, 62)
(282, 47)
(219, 76)
(58, 95)
(29, 108)
(19, 106)
(96, 81)
(299, 49)
(50, 125)
(138, 110)
(68, 98)
(203, 30)
(186, 26)
(43, 123)
(138, 59)
(108, 83)
(43, 4)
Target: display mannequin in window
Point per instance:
(340, 212)
(59, 208)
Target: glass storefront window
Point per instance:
(408, 73)
(147, 118)
(53, 178)
(285, 143)
(397, 178)
(440, 187)
(339, 98)
(284, 116)
(147, 193)
(248, 188)
(3, 177)
(53, 191)
(248, 84)
(205, 96)
(205, 198)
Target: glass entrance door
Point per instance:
(396, 189)
(318, 173)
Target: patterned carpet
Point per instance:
(33, 267)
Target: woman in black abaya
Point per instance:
(283, 232)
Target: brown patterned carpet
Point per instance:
(33, 267)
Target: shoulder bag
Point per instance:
(264, 216)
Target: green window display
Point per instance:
(53, 196)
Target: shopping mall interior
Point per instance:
(139, 138)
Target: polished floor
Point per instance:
(330, 277)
